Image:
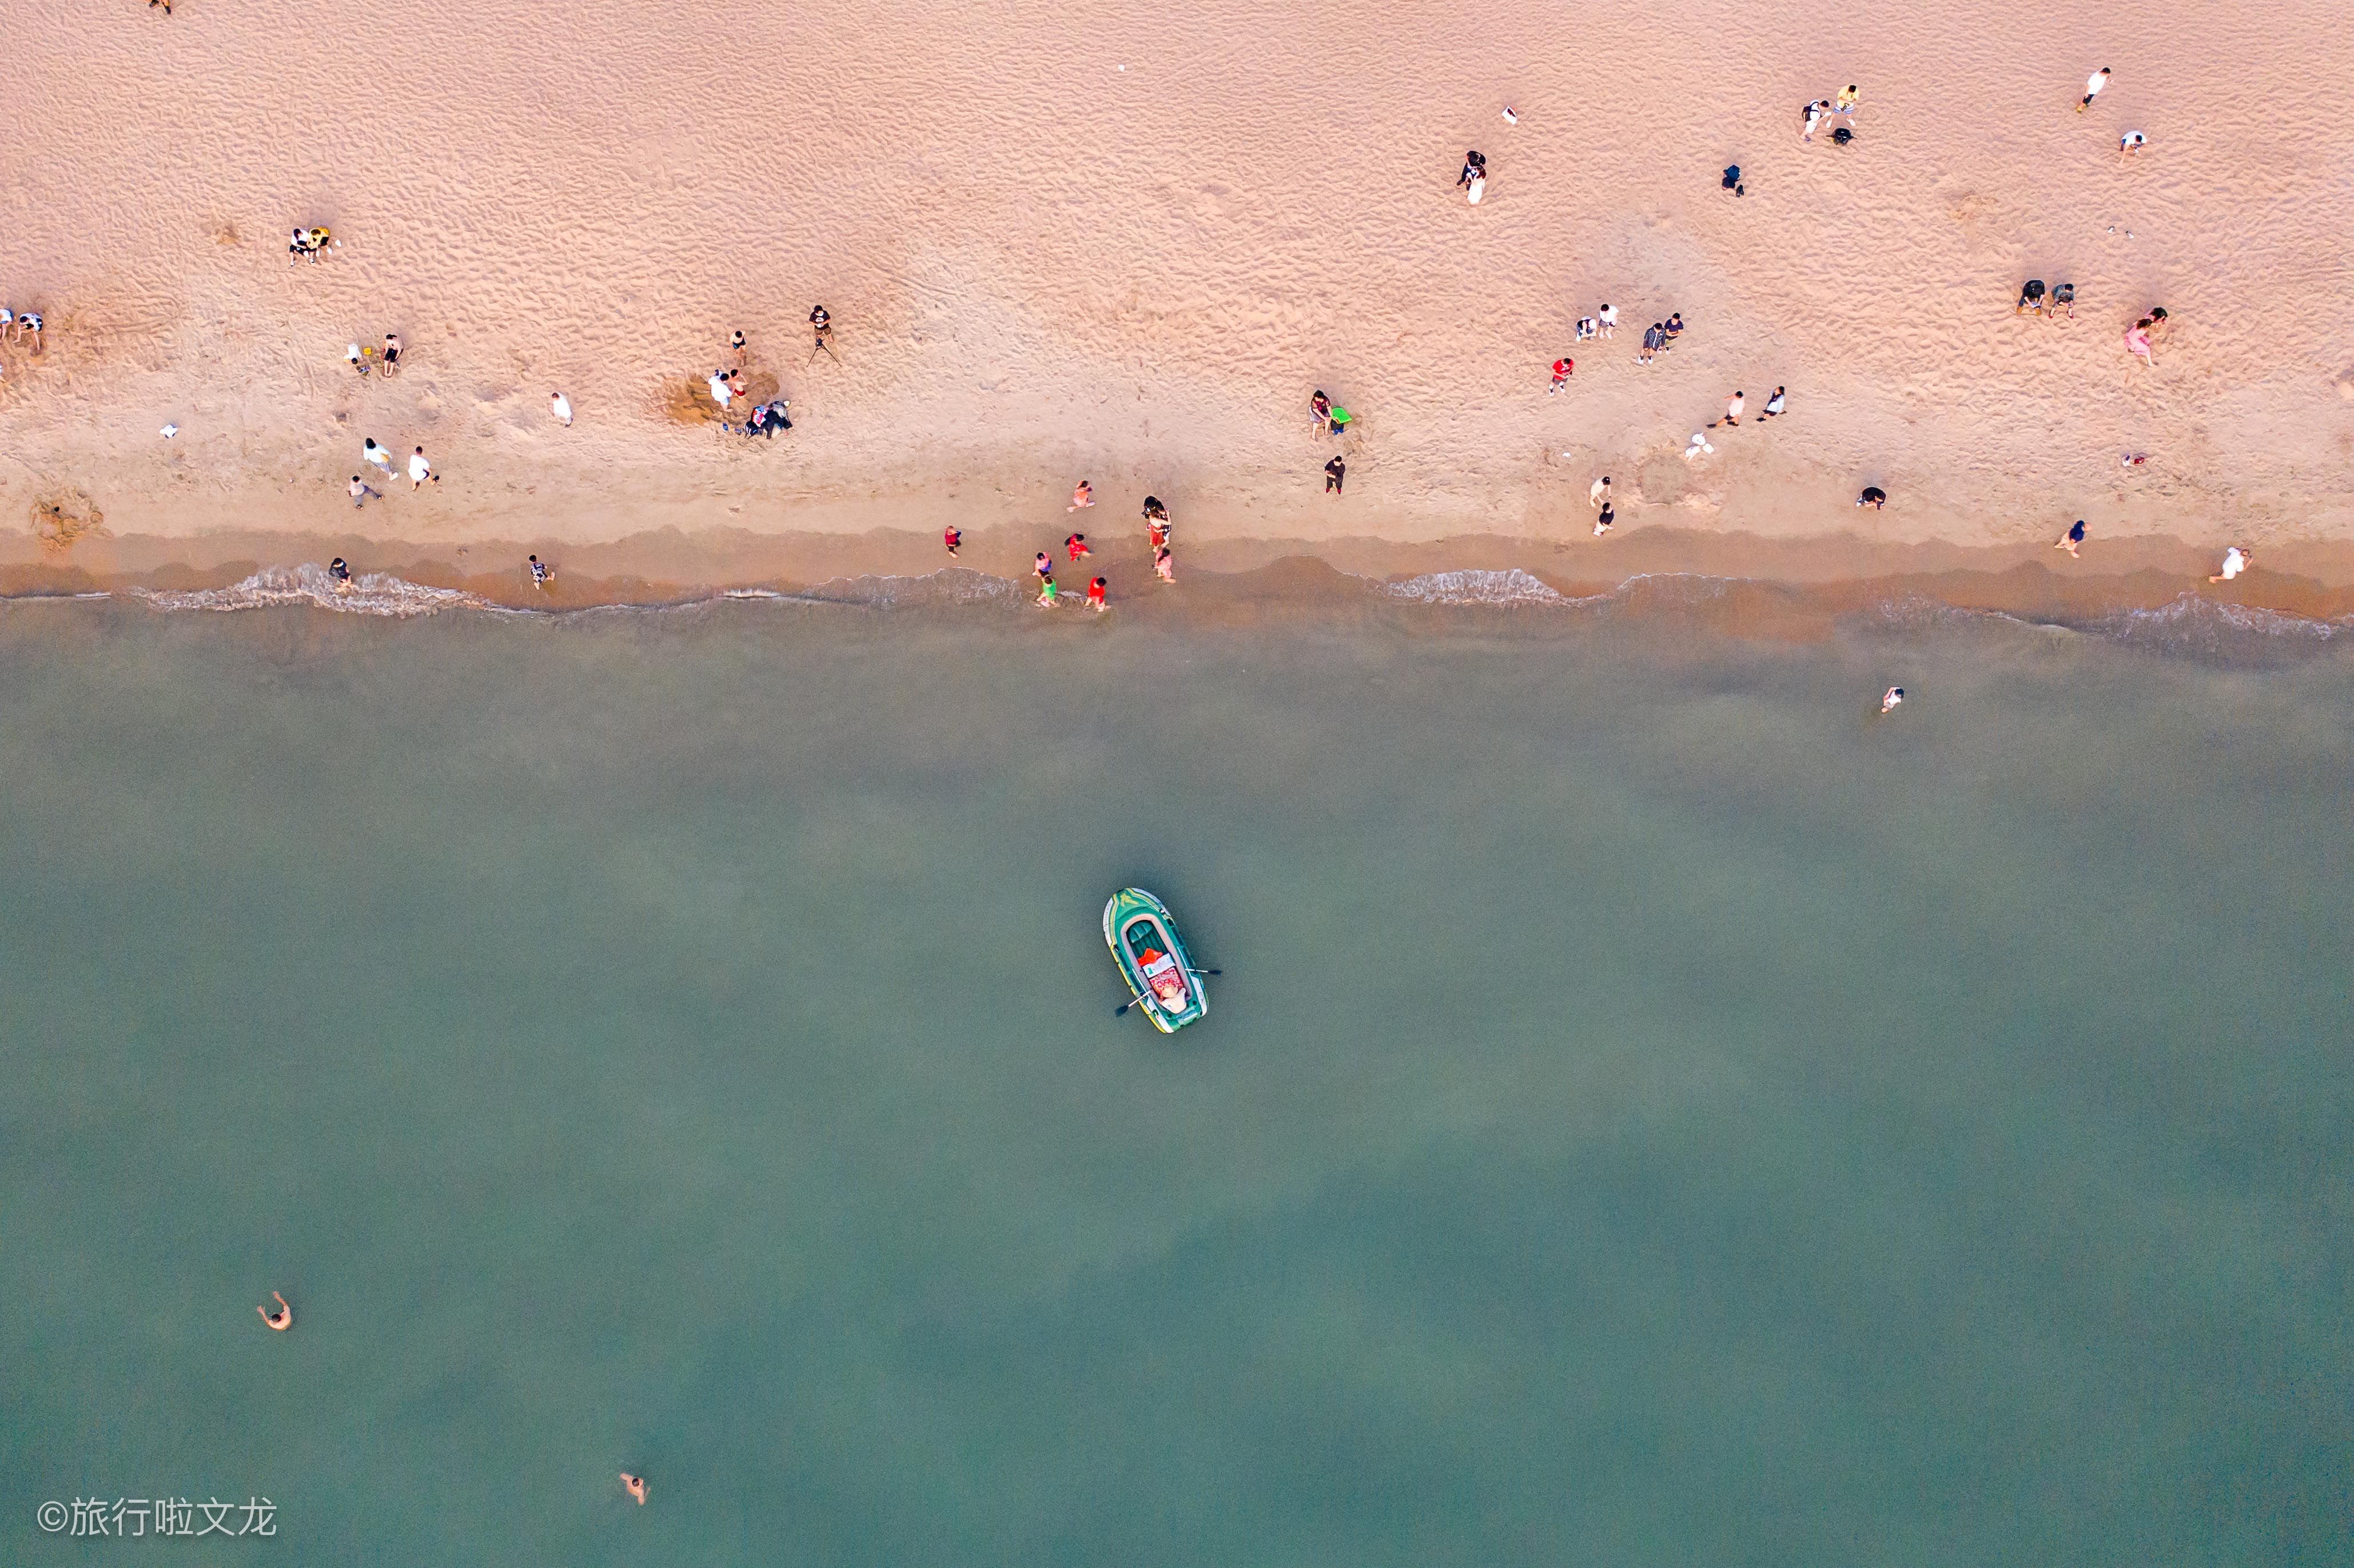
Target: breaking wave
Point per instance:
(371, 593)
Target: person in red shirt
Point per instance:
(953, 536)
(1078, 545)
(1096, 596)
(1561, 369)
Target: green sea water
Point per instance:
(1652, 1111)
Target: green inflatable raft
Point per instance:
(1152, 960)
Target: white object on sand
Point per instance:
(1511, 118)
(1699, 445)
(1478, 189)
(168, 431)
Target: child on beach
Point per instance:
(1078, 546)
(1085, 495)
(352, 358)
(2235, 561)
(2137, 343)
(953, 537)
(1049, 595)
(361, 492)
(1096, 596)
(1042, 568)
(1560, 372)
(540, 573)
(1598, 493)
(1165, 564)
(2071, 539)
(1334, 473)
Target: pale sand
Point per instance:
(1041, 268)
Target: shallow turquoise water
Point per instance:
(1651, 1112)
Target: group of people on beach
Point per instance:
(365, 357)
(728, 386)
(19, 327)
(310, 244)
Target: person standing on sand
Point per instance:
(1319, 407)
(1606, 318)
(1042, 568)
(1049, 595)
(2093, 85)
(1733, 407)
(821, 329)
(1775, 403)
(391, 354)
(2137, 343)
(561, 407)
(1085, 495)
(380, 456)
(1602, 524)
(1653, 337)
(737, 354)
(1873, 497)
(1848, 97)
(1598, 493)
(360, 492)
(1078, 546)
(1334, 473)
(1561, 373)
(1156, 521)
(2235, 561)
(953, 537)
(540, 573)
(721, 392)
(1096, 596)
(2072, 539)
(419, 471)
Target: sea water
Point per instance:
(1652, 1110)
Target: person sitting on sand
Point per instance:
(1598, 493)
(1049, 595)
(282, 1319)
(2160, 324)
(1078, 546)
(1085, 495)
(352, 358)
(2073, 538)
(1587, 327)
(2031, 298)
(1096, 591)
(1321, 406)
(2130, 143)
(1731, 180)
(1165, 564)
(2137, 343)
(635, 1485)
(1475, 167)
(2235, 561)
(541, 574)
(1873, 497)
(2063, 298)
(1602, 524)
(1775, 403)
(1042, 568)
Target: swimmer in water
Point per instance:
(2072, 538)
(635, 1485)
(1891, 699)
(282, 1319)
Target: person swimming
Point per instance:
(635, 1485)
(282, 1319)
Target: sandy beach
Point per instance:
(1076, 243)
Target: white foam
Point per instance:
(373, 593)
(1495, 589)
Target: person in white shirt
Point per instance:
(561, 407)
(1608, 318)
(1598, 491)
(2093, 85)
(721, 393)
(419, 471)
(380, 456)
(1733, 407)
(2130, 143)
(1774, 404)
(2235, 561)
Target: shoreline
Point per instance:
(1776, 590)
